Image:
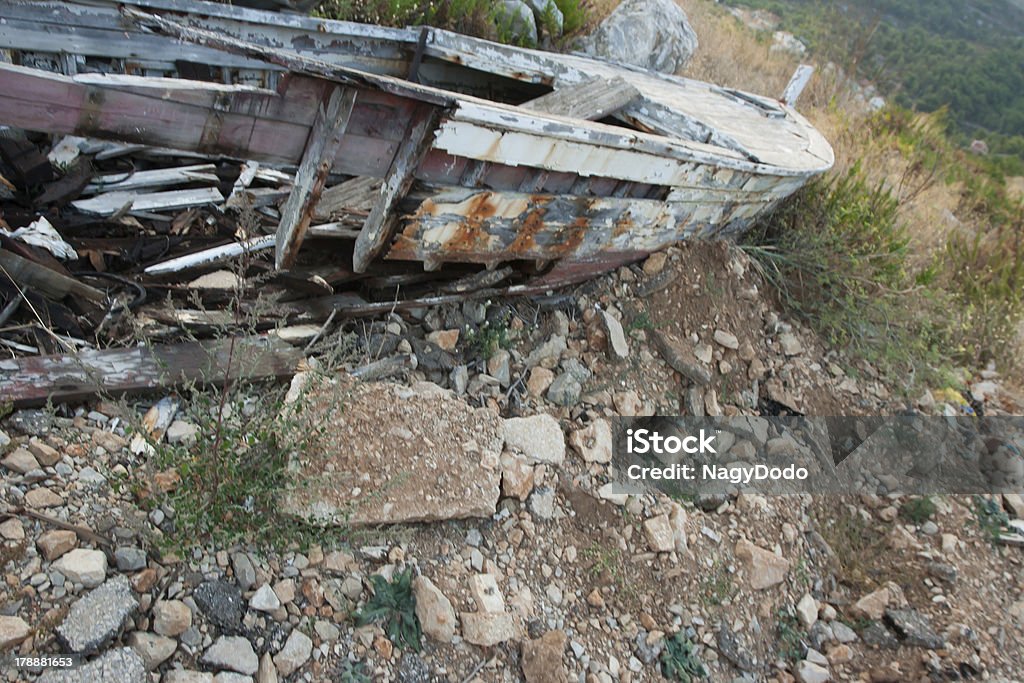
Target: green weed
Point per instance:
(918, 510)
(790, 635)
(394, 605)
(990, 517)
(679, 660)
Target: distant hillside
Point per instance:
(964, 54)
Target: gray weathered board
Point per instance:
(35, 380)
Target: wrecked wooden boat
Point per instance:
(484, 153)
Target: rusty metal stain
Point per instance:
(623, 224)
(525, 240)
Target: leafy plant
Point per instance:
(918, 510)
(352, 672)
(487, 339)
(990, 517)
(791, 637)
(394, 605)
(679, 660)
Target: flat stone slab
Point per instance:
(382, 453)
(98, 616)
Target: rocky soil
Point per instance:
(533, 569)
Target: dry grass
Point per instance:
(734, 55)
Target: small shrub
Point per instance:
(679, 660)
(855, 543)
(393, 605)
(351, 672)
(486, 340)
(918, 510)
(790, 635)
(992, 519)
(837, 256)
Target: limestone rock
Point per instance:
(517, 476)
(234, 653)
(434, 610)
(486, 594)
(358, 472)
(487, 628)
(681, 357)
(809, 672)
(542, 659)
(726, 339)
(677, 518)
(171, 617)
(153, 649)
(539, 381)
(265, 599)
(660, 536)
(43, 498)
(872, 605)
(617, 344)
(764, 568)
(294, 654)
(807, 610)
(13, 630)
(538, 437)
(87, 567)
(47, 455)
(20, 461)
(12, 530)
(651, 34)
(54, 543)
(594, 442)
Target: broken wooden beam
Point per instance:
(354, 194)
(321, 147)
(54, 285)
(590, 100)
(226, 252)
(153, 179)
(801, 77)
(62, 378)
(380, 225)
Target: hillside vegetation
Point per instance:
(908, 253)
(967, 55)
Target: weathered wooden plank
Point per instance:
(321, 148)
(96, 29)
(52, 284)
(291, 61)
(355, 194)
(382, 221)
(110, 203)
(592, 99)
(463, 225)
(113, 372)
(801, 77)
(152, 179)
(226, 252)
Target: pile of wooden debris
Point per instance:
(224, 186)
